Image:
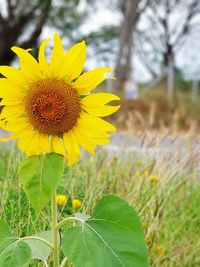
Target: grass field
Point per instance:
(164, 190)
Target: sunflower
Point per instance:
(47, 106)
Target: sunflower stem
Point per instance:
(55, 232)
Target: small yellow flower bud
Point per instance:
(153, 178)
(76, 203)
(61, 200)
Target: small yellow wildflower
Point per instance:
(146, 173)
(160, 250)
(61, 200)
(153, 178)
(76, 203)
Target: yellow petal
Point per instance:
(9, 111)
(44, 65)
(98, 99)
(90, 80)
(29, 65)
(16, 125)
(5, 139)
(13, 116)
(97, 123)
(9, 90)
(72, 147)
(9, 102)
(25, 139)
(58, 146)
(101, 111)
(13, 74)
(44, 143)
(84, 140)
(2, 123)
(90, 129)
(57, 56)
(74, 61)
(22, 130)
(33, 147)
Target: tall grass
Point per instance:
(163, 187)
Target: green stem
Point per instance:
(55, 233)
(66, 220)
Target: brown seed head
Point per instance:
(53, 106)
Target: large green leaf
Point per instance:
(112, 237)
(13, 252)
(40, 250)
(40, 176)
(17, 254)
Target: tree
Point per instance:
(131, 11)
(169, 23)
(19, 15)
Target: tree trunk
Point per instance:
(194, 90)
(170, 77)
(12, 29)
(124, 57)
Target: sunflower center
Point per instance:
(53, 106)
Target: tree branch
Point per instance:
(186, 25)
(38, 28)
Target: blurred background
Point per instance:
(153, 159)
(153, 46)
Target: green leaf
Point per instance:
(40, 250)
(13, 253)
(40, 176)
(112, 237)
(4, 231)
(6, 237)
(17, 254)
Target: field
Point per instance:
(163, 187)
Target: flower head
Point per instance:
(76, 203)
(153, 179)
(61, 200)
(48, 107)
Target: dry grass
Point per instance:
(153, 111)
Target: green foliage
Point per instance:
(13, 252)
(40, 176)
(169, 207)
(111, 237)
(4, 231)
(40, 251)
(16, 255)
